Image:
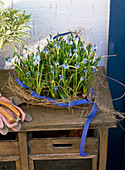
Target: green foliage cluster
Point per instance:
(13, 25)
(63, 70)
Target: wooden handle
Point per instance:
(7, 115)
(11, 107)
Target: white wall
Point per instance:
(54, 16)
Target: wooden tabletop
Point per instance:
(62, 119)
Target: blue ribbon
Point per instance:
(59, 35)
(73, 103)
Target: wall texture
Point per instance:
(52, 16)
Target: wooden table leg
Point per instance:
(31, 164)
(18, 164)
(22, 137)
(103, 148)
(94, 163)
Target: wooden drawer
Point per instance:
(9, 148)
(62, 145)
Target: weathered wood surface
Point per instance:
(103, 148)
(60, 156)
(94, 163)
(62, 119)
(62, 145)
(9, 158)
(22, 137)
(9, 148)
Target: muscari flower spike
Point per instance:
(83, 46)
(96, 59)
(45, 51)
(36, 60)
(38, 73)
(85, 61)
(69, 53)
(77, 65)
(61, 77)
(65, 65)
(85, 71)
(82, 78)
(55, 44)
(75, 55)
(52, 70)
(58, 46)
(23, 56)
(69, 40)
(94, 68)
(55, 89)
(75, 50)
(56, 63)
(28, 73)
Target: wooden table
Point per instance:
(44, 119)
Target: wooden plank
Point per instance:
(94, 163)
(62, 145)
(22, 137)
(103, 148)
(18, 164)
(9, 148)
(8, 158)
(31, 164)
(63, 118)
(60, 156)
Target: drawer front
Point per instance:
(62, 145)
(9, 148)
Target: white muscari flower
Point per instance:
(37, 60)
(55, 44)
(70, 53)
(61, 77)
(69, 40)
(23, 56)
(83, 45)
(38, 73)
(94, 67)
(52, 70)
(28, 73)
(35, 63)
(75, 50)
(45, 51)
(75, 55)
(82, 78)
(77, 65)
(55, 89)
(85, 61)
(56, 63)
(96, 59)
(85, 71)
(65, 65)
